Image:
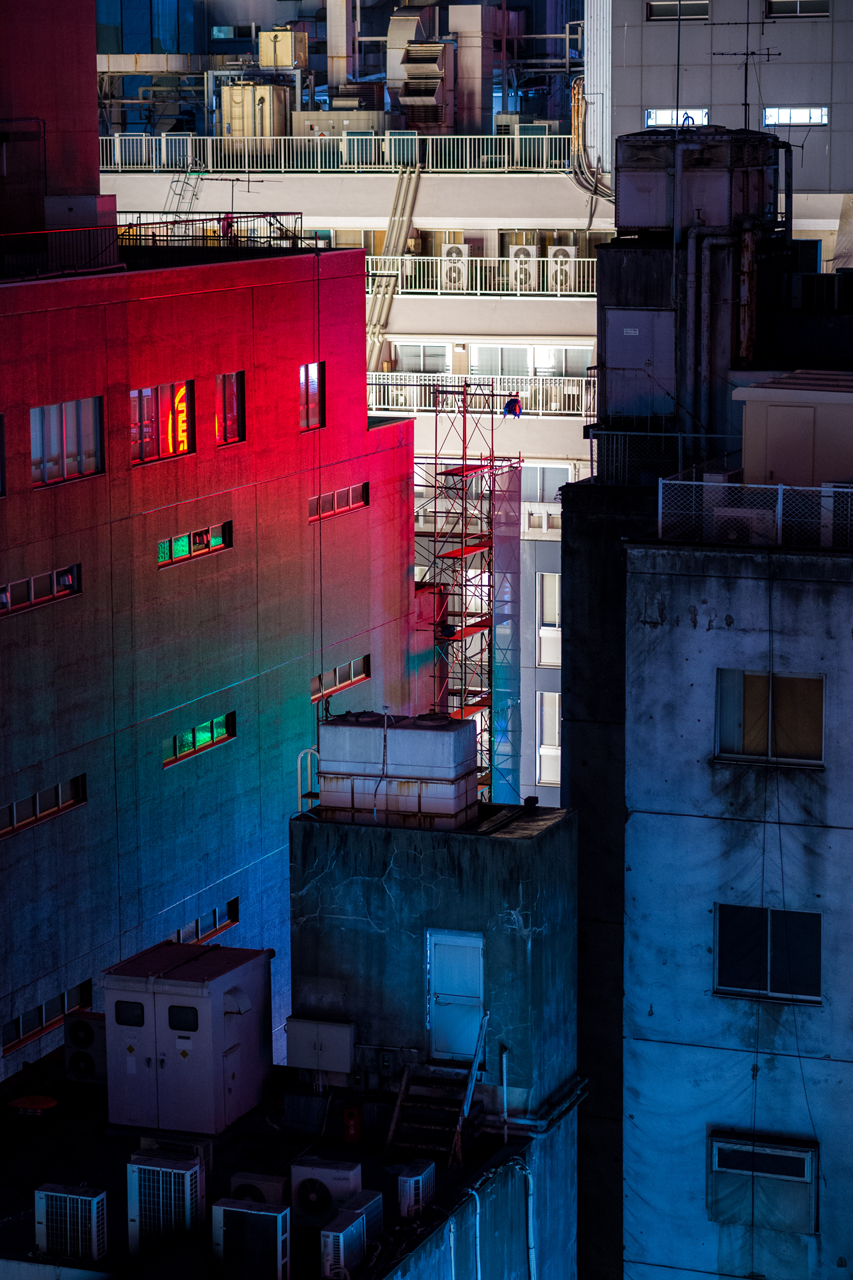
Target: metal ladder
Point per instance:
(384, 285)
(183, 191)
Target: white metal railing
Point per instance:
(539, 396)
(557, 277)
(756, 514)
(476, 153)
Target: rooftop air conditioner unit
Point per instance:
(262, 1188)
(370, 1204)
(251, 1240)
(321, 1188)
(86, 1046)
(164, 1198)
(562, 269)
(416, 1188)
(71, 1222)
(342, 1244)
(454, 267)
(506, 124)
(523, 269)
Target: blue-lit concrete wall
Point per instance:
(93, 683)
(702, 831)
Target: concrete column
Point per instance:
(474, 26)
(339, 34)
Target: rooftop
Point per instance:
(183, 962)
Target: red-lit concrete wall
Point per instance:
(94, 683)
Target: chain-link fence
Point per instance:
(756, 515)
(643, 457)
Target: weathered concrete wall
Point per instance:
(93, 683)
(363, 898)
(702, 831)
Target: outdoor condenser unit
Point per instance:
(321, 1188)
(342, 1243)
(71, 1222)
(562, 269)
(263, 1188)
(251, 1240)
(523, 271)
(86, 1046)
(164, 1198)
(370, 1204)
(416, 1188)
(454, 266)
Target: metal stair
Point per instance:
(385, 283)
(183, 191)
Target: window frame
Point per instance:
(753, 993)
(84, 1001)
(315, 503)
(225, 545)
(795, 124)
(225, 916)
(764, 1144)
(547, 631)
(768, 12)
(100, 466)
(230, 734)
(795, 762)
(549, 751)
(305, 424)
(673, 17)
(78, 797)
(189, 386)
(8, 610)
(321, 688)
(220, 411)
(686, 113)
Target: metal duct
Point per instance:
(598, 19)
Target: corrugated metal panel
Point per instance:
(597, 43)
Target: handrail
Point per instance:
(475, 1066)
(727, 512)
(512, 277)
(540, 395)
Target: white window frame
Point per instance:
(800, 1153)
(665, 117)
(785, 761)
(781, 117)
(547, 631)
(547, 750)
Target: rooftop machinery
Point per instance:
(467, 523)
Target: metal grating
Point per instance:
(69, 1225)
(168, 1201)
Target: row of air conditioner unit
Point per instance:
(524, 269)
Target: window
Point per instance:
(561, 362)
(797, 8)
(191, 741)
(666, 118)
(763, 952)
(183, 1017)
(340, 500)
(781, 116)
(760, 1182)
(214, 921)
(778, 718)
(187, 546)
(549, 739)
(231, 33)
(230, 408)
(422, 358)
(130, 1013)
(657, 9)
(312, 395)
(543, 484)
(66, 440)
(550, 634)
(29, 593)
(161, 422)
(339, 678)
(45, 1017)
(505, 362)
(43, 805)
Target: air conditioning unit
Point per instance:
(454, 267)
(164, 1198)
(86, 1046)
(251, 1239)
(71, 1222)
(416, 1188)
(321, 1188)
(562, 269)
(523, 268)
(342, 1244)
(370, 1204)
(262, 1188)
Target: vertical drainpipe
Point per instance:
(690, 355)
(710, 242)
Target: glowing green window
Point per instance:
(180, 546)
(220, 728)
(217, 538)
(203, 735)
(190, 742)
(184, 742)
(164, 551)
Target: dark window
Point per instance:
(130, 1013)
(772, 1164)
(312, 395)
(45, 1017)
(27, 593)
(189, 742)
(162, 422)
(186, 546)
(338, 678)
(656, 9)
(66, 440)
(45, 804)
(764, 717)
(230, 410)
(797, 8)
(762, 951)
(758, 1181)
(183, 1017)
(339, 501)
(215, 920)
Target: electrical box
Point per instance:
(283, 48)
(320, 1046)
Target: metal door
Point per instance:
(184, 1083)
(640, 364)
(454, 992)
(132, 1058)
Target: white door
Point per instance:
(185, 1085)
(455, 992)
(131, 1058)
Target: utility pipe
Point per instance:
(477, 1232)
(692, 280)
(709, 243)
(531, 1238)
(504, 1056)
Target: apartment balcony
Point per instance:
(476, 153)
(756, 515)
(486, 277)
(541, 397)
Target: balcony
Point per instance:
(486, 277)
(476, 153)
(540, 397)
(756, 515)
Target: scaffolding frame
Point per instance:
(455, 550)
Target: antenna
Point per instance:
(765, 55)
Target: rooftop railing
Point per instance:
(383, 153)
(539, 396)
(756, 515)
(486, 277)
(643, 457)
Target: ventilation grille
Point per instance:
(68, 1226)
(168, 1201)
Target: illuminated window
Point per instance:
(657, 9)
(775, 117)
(549, 739)
(161, 421)
(41, 806)
(312, 395)
(769, 718)
(666, 118)
(29, 593)
(214, 921)
(797, 8)
(550, 633)
(66, 440)
(230, 408)
(338, 501)
(189, 742)
(188, 546)
(45, 1017)
(338, 678)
